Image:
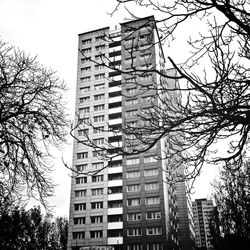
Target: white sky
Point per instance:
(49, 29)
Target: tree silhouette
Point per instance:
(232, 196)
(198, 105)
(32, 120)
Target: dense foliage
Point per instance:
(29, 230)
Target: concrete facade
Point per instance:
(127, 205)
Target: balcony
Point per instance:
(111, 134)
(115, 240)
(115, 110)
(115, 121)
(117, 144)
(115, 225)
(115, 88)
(115, 99)
(116, 78)
(114, 197)
(114, 183)
(116, 158)
(114, 170)
(115, 210)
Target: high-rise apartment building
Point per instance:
(127, 205)
(202, 212)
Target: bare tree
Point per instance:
(213, 83)
(32, 120)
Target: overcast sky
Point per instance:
(49, 29)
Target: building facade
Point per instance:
(127, 205)
(202, 212)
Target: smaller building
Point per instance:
(202, 212)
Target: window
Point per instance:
(130, 60)
(80, 193)
(97, 191)
(152, 200)
(99, 57)
(100, 76)
(131, 102)
(132, 161)
(134, 202)
(131, 91)
(148, 99)
(146, 56)
(79, 220)
(98, 141)
(78, 235)
(153, 215)
(81, 167)
(82, 132)
(100, 47)
(98, 130)
(84, 99)
(100, 38)
(96, 219)
(84, 110)
(98, 153)
(84, 90)
(81, 180)
(99, 107)
(97, 205)
(152, 186)
(84, 120)
(85, 69)
(97, 165)
(144, 46)
(154, 246)
(86, 41)
(153, 230)
(99, 97)
(132, 124)
(130, 137)
(95, 234)
(80, 206)
(145, 78)
(134, 232)
(131, 113)
(99, 66)
(133, 174)
(82, 155)
(97, 178)
(85, 59)
(99, 118)
(150, 172)
(133, 188)
(130, 80)
(134, 247)
(99, 86)
(134, 216)
(148, 159)
(87, 50)
(85, 79)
